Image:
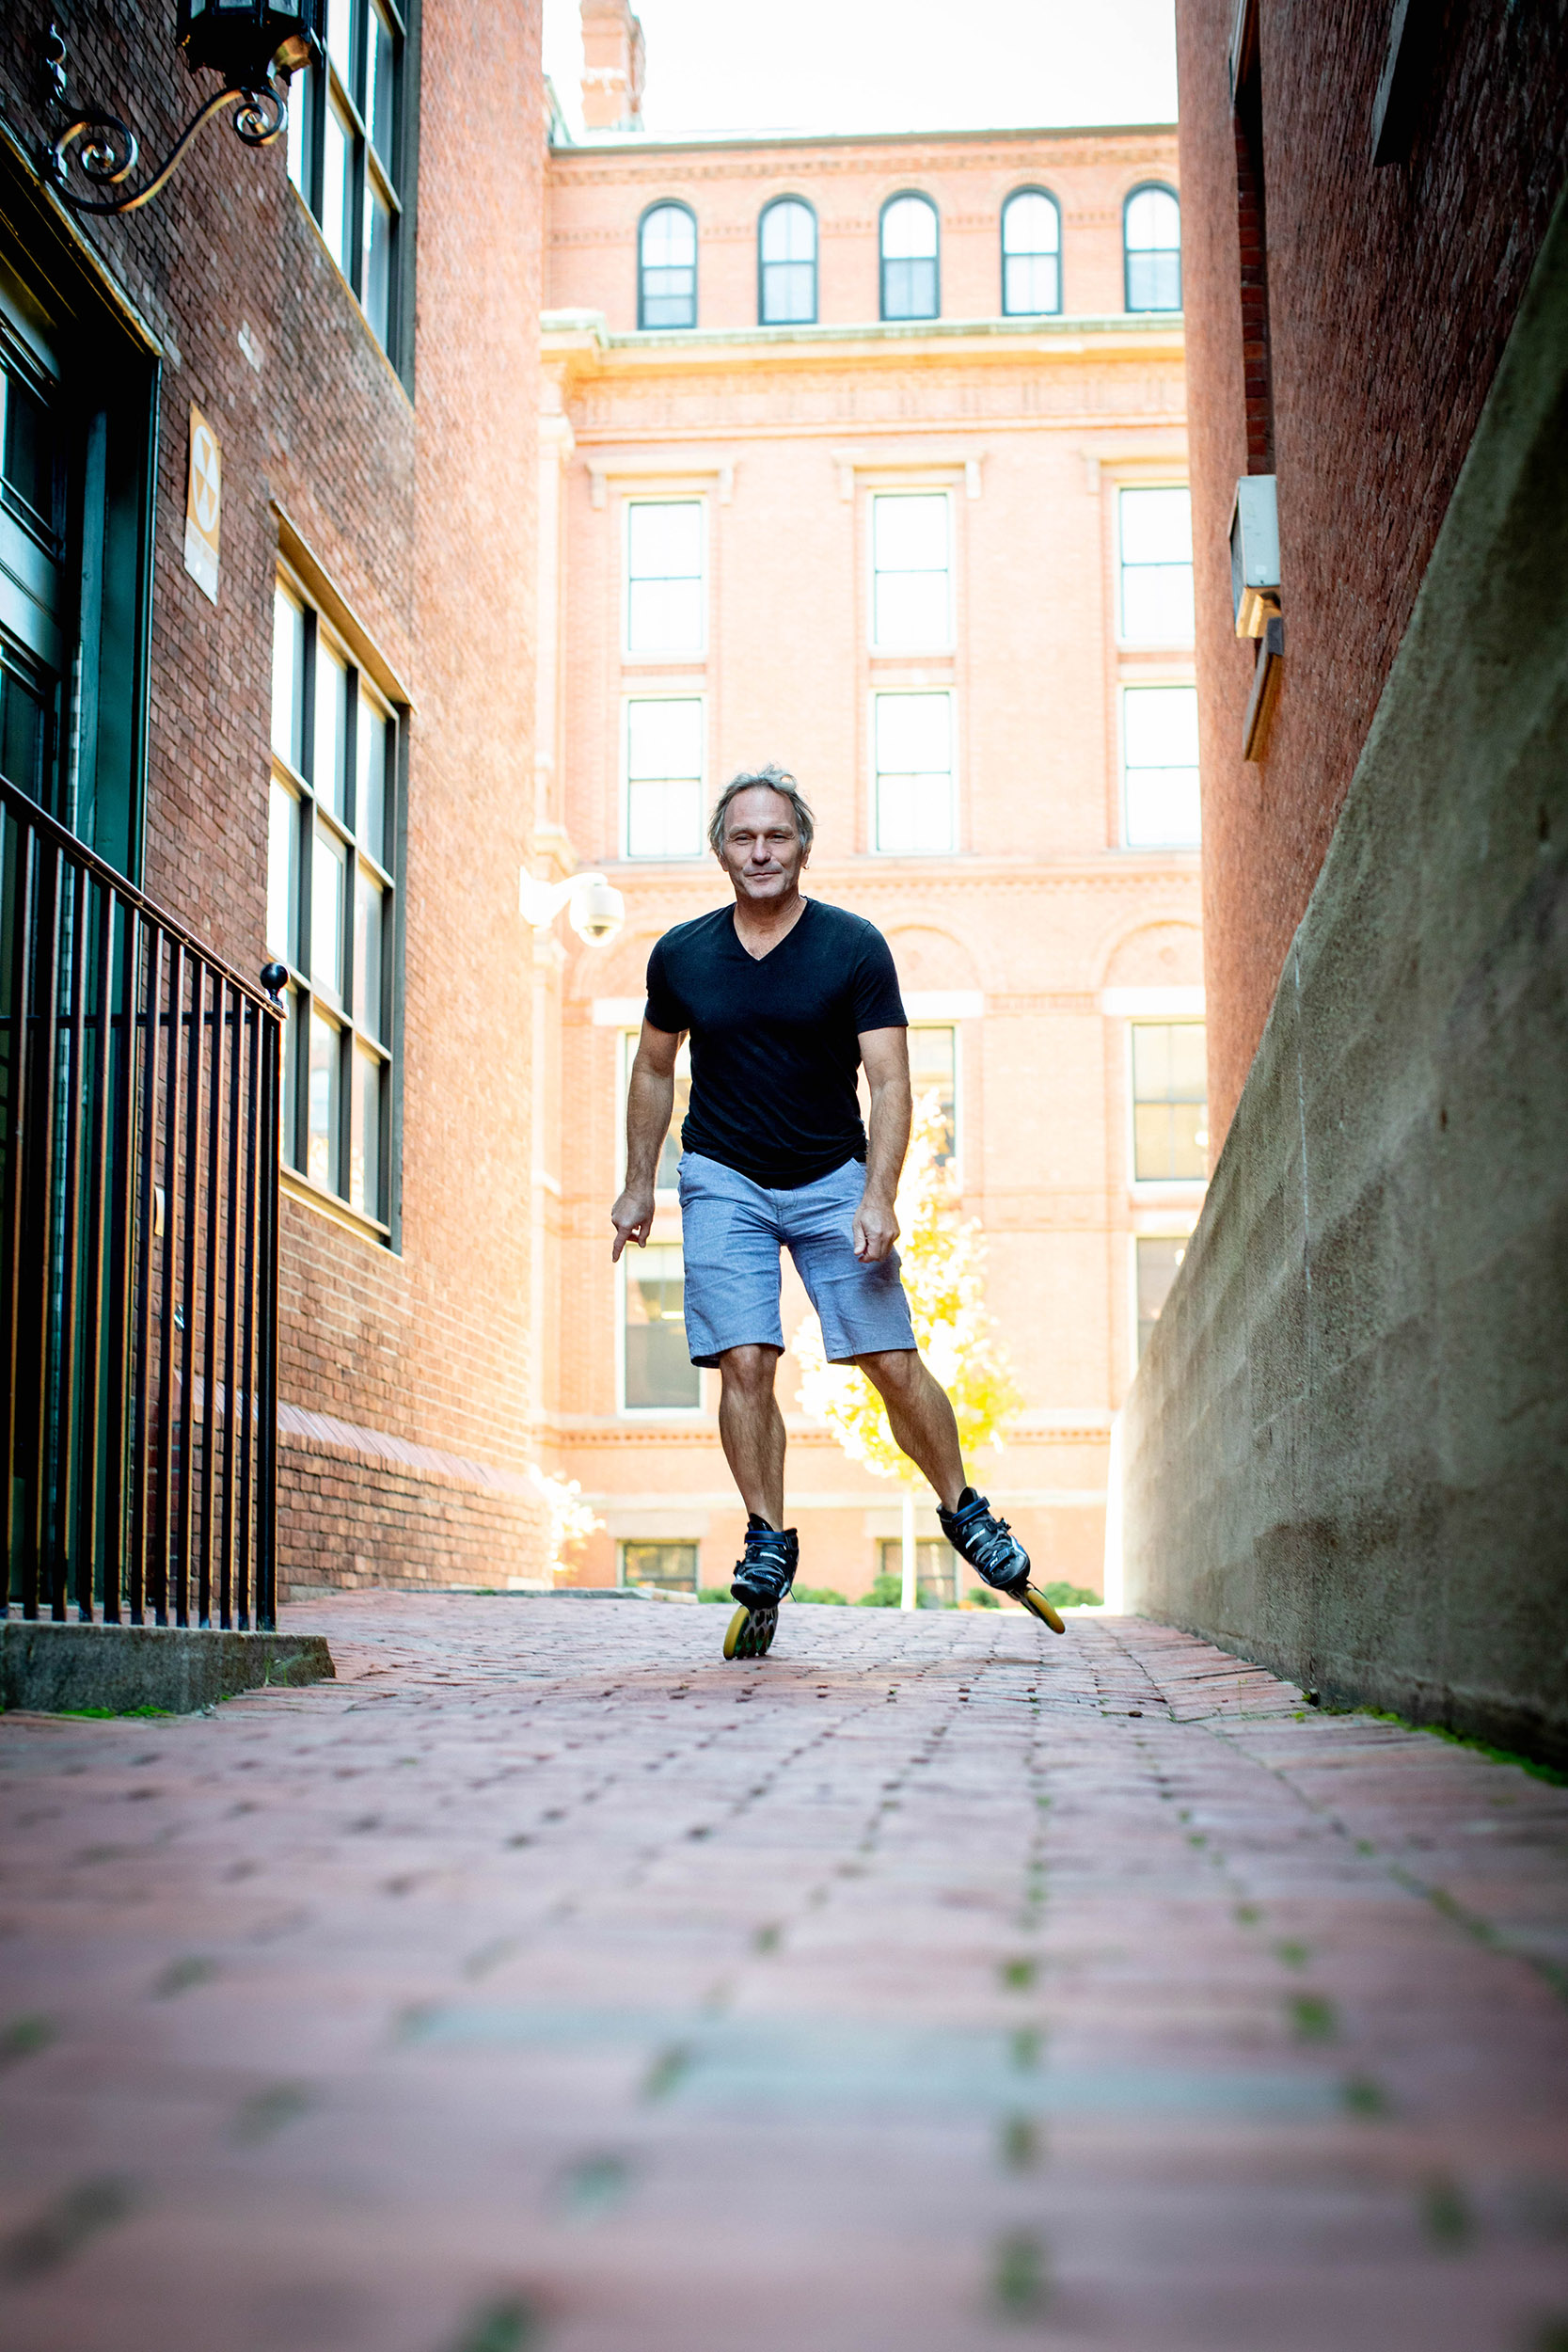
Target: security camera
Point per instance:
(597, 908)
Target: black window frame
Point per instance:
(666, 204)
(300, 991)
(901, 318)
(764, 265)
(1029, 188)
(310, 94)
(1163, 310)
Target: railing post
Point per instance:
(273, 977)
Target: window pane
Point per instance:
(671, 1568)
(910, 554)
(380, 94)
(340, 43)
(910, 533)
(664, 821)
(1031, 282)
(376, 275)
(283, 874)
(910, 290)
(364, 1170)
(1153, 222)
(1156, 525)
(322, 1151)
(294, 1016)
(1161, 766)
(1159, 1258)
(371, 745)
(932, 1057)
(664, 737)
(24, 732)
(369, 902)
(913, 734)
(658, 1370)
(788, 293)
(1170, 1120)
(909, 230)
(336, 212)
(288, 681)
(302, 92)
(331, 729)
(789, 233)
(27, 451)
(1156, 567)
(668, 238)
(914, 783)
(1030, 225)
(669, 267)
(664, 565)
(328, 882)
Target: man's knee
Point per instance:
(749, 1370)
(892, 1370)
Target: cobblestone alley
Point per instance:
(545, 1982)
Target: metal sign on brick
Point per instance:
(203, 502)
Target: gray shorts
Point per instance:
(732, 1231)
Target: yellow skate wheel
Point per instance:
(1037, 1602)
(736, 1628)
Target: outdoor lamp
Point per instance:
(255, 45)
(595, 907)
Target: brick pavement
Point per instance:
(545, 1983)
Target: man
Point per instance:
(782, 998)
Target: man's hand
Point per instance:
(633, 1219)
(875, 1229)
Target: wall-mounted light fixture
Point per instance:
(255, 45)
(595, 907)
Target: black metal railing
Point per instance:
(138, 1250)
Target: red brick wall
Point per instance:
(421, 513)
(1391, 291)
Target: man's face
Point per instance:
(761, 852)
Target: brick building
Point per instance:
(1346, 1448)
(869, 455)
(325, 750)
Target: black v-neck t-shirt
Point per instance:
(775, 1040)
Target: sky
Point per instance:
(887, 65)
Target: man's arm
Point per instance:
(650, 1100)
(886, 1056)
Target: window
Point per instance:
(667, 1174)
(659, 1374)
(664, 776)
(786, 265)
(665, 603)
(933, 1069)
(909, 286)
(331, 858)
(1151, 230)
(911, 602)
(76, 404)
(937, 1575)
(667, 267)
(1158, 1257)
(913, 740)
(1154, 533)
(1161, 801)
(669, 1568)
(1031, 253)
(345, 152)
(1170, 1120)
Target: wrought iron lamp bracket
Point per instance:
(108, 148)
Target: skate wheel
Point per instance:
(1041, 1608)
(735, 1630)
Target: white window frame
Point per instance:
(665, 1195)
(645, 1412)
(890, 685)
(1162, 1229)
(668, 656)
(1154, 1189)
(693, 693)
(955, 1028)
(950, 642)
(1135, 684)
(1143, 645)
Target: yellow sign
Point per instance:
(203, 499)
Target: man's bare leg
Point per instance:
(752, 1431)
(921, 1416)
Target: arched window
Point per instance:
(1151, 232)
(910, 288)
(786, 265)
(667, 267)
(1031, 253)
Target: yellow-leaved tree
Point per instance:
(943, 1268)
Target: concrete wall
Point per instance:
(1347, 1448)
